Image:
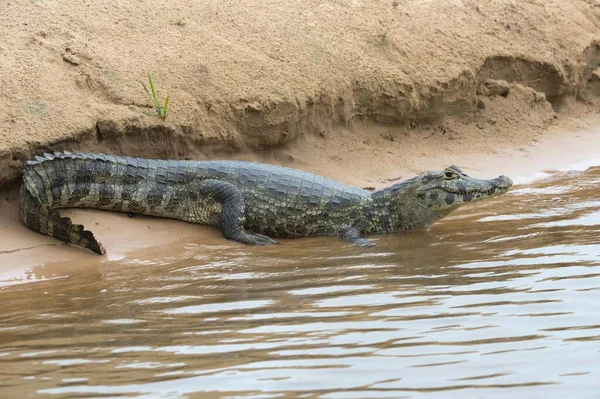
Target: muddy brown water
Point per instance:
(501, 299)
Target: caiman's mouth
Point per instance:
(490, 192)
(483, 188)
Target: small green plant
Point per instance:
(386, 26)
(385, 29)
(180, 21)
(160, 110)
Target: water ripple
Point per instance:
(499, 300)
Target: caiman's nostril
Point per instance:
(505, 180)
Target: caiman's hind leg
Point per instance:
(232, 214)
(42, 219)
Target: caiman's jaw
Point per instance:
(448, 189)
(484, 188)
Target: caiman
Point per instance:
(250, 202)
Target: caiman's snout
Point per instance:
(481, 189)
(502, 184)
(448, 189)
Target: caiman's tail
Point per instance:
(37, 213)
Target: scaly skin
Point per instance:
(251, 202)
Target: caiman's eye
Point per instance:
(450, 175)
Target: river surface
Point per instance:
(501, 299)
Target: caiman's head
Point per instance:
(418, 202)
(446, 190)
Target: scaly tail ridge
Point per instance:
(38, 215)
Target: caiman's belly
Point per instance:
(294, 221)
(294, 216)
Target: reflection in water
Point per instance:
(500, 298)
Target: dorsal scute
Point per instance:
(68, 155)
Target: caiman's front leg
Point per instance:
(352, 235)
(232, 214)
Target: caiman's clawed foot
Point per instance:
(363, 242)
(254, 239)
(353, 236)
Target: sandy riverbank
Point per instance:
(24, 254)
(363, 92)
